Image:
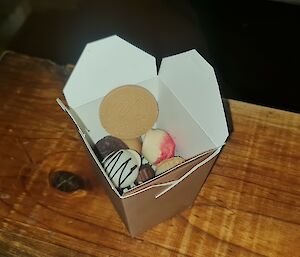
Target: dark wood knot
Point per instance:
(66, 181)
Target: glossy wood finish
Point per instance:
(249, 205)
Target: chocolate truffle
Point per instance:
(122, 167)
(158, 145)
(107, 145)
(134, 144)
(145, 173)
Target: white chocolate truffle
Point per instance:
(158, 145)
(122, 167)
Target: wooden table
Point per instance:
(249, 206)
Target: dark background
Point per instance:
(253, 45)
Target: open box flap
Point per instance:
(192, 80)
(104, 65)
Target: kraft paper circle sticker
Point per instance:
(128, 111)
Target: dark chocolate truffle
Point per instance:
(145, 173)
(107, 145)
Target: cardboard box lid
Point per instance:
(192, 80)
(111, 62)
(104, 65)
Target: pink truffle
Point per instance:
(158, 145)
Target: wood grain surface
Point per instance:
(249, 205)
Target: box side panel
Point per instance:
(144, 210)
(109, 188)
(115, 199)
(171, 176)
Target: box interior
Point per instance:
(189, 136)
